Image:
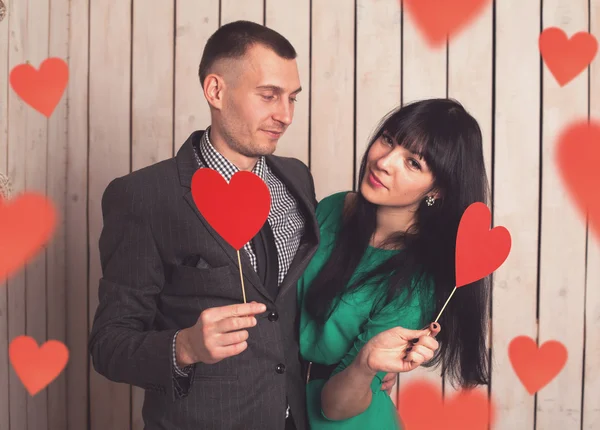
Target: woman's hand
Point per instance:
(394, 351)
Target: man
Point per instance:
(171, 318)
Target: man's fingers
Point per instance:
(237, 310)
(228, 339)
(234, 324)
(231, 350)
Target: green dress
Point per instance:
(351, 325)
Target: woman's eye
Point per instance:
(414, 164)
(388, 140)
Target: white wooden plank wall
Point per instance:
(134, 97)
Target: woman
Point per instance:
(385, 267)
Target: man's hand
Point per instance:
(219, 333)
(388, 382)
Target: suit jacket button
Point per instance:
(273, 316)
(280, 368)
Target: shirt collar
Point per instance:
(218, 162)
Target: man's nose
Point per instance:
(284, 112)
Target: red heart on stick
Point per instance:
(238, 210)
(535, 367)
(479, 250)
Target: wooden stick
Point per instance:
(444, 307)
(241, 275)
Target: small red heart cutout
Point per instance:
(27, 223)
(238, 210)
(43, 89)
(566, 58)
(535, 367)
(439, 19)
(578, 158)
(36, 366)
(421, 407)
(479, 250)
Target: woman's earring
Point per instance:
(429, 200)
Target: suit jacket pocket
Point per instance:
(221, 281)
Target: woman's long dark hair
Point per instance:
(450, 141)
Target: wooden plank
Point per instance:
(195, 22)
(109, 153)
(423, 76)
(249, 10)
(472, 87)
(4, 339)
(28, 147)
(18, 113)
(563, 235)
(516, 201)
(591, 383)
(332, 97)
(424, 69)
(291, 18)
(378, 75)
(152, 105)
(75, 218)
(56, 185)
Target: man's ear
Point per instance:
(213, 90)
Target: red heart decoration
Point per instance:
(43, 89)
(479, 250)
(535, 367)
(238, 210)
(421, 407)
(578, 157)
(27, 223)
(566, 58)
(36, 366)
(439, 19)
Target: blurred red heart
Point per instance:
(421, 407)
(439, 19)
(43, 89)
(479, 250)
(536, 367)
(566, 58)
(27, 223)
(238, 210)
(578, 158)
(36, 366)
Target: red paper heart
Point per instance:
(479, 250)
(36, 366)
(421, 407)
(535, 367)
(236, 211)
(43, 89)
(27, 223)
(566, 58)
(578, 158)
(439, 19)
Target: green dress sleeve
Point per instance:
(396, 313)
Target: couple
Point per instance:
(338, 292)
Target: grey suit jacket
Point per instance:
(147, 292)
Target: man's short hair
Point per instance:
(233, 40)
